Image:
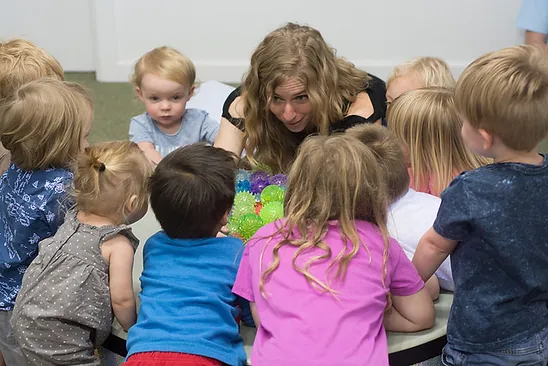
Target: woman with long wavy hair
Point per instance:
(296, 86)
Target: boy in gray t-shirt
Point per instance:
(164, 80)
(494, 220)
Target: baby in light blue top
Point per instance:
(164, 80)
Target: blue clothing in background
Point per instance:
(32, 207)
(187, 304)
(499, 215)
(533, 16)
(196, 126)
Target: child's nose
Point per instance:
(165, 105)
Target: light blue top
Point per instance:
(533, 16)
(196, 126)
(187, 304)
(32, 207)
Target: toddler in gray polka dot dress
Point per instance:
(83, 274)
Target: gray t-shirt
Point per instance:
(499, 215)
(196, 126)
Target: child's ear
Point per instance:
(190, 93)
(139, 93)
(487, 139)
(224, 219)
(130, 204)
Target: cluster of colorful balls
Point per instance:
(259, 200)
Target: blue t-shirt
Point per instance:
(187, 304)
(499, 215)
(533, 16)
(32, 207)
(196, 126)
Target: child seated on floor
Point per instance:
(410, 213)
(164, 80)
(427, 125)
(188, 314)
(319, 281)
(492, 220)
(45, 124)
(420, 72)
(82, 275)
(20, 62)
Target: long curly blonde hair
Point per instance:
(294, 51)
(334, 181)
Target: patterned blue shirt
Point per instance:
(32, 207)
(499, 215)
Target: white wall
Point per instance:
(221, 35)
(62, 27)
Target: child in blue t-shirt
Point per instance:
(164, 80)
(493, 220)
(188, 312)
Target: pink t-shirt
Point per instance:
(303, 326)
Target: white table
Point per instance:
(404, 348)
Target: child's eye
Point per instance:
(155, 99)
(176, 97)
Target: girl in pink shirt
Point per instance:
(325, 282)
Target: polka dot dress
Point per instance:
(63, 309)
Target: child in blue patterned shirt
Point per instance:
(45, 125)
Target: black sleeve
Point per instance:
(376, 89)
(237, 122)
(348, 122)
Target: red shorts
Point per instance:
(169, 358)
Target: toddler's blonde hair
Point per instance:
(332, 178)
(107, 175)
(506, 93)
(431, 71)
(22, 61)
(43, 123)
(426, 122)
(167, 63)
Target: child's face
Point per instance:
(165, 100)
(402, 84)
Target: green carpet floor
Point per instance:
(116, 103)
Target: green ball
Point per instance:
(238, 211)
(244, 198)
(249, 224)
(233, 224)
(272, 211)
(272, 193)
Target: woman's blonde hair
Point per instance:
(431, 71)
(332, 178)
(107, 175)
(426, 122)
(22, 61)
(294, 51)
(167, 63)
(43, 122)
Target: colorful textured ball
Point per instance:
(258, 185)
(243, 186)
(249, 224)
(242, 175)
(244, 198)
(258, 207)
(238, 211)
(272, 193)
(272, 211)
(278, 180)
(258, 175)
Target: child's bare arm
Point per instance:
(410, 313)
(254, 314)
(431, 252)
(121, 280)
(150, 152)
(433, 287)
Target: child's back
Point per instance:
(320, 279)
(188, 314)
(308, 325)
